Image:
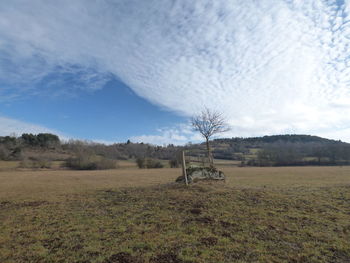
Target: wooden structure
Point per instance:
(200, 159)
(183, 162)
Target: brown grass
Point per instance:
(46, 184)
(289, 214)
(8, 165)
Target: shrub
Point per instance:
(174, 163)
(148, 163)
(46, 140)
(90, 162)
(35, 163)
(153, 163)
(140, 162)
(16, 154)
(105, 163)
(42, 164)
(4, 153)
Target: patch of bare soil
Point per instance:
(209, 241)
(196, 211)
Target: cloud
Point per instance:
(10, 126)
(182, 134)
(179, 134)
(271, 66)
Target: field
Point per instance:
(285, 214)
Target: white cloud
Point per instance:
(10, 126)
(179, 134)
(271, 66)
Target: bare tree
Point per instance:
(209, 123)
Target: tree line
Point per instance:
(276, 150)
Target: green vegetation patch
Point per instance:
(173, 223)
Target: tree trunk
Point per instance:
(210, 157)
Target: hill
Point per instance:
(276, 150)
(283, 150)
(280, 138)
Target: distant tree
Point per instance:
(141, 162)
(29, 139)
(47, 140)
(4, 152)
(209, 123)
(265, 157)
(148, 163)
(319, 152)
(175, 161)
(41, 140)
(16, 153)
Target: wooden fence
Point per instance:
(200, 159)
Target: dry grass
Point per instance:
(289, 214)
(8, 165)
(127, 164)
(44, 184)
(48, 184)
(287, 177)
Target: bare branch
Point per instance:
(209, 123)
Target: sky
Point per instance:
(113, 70)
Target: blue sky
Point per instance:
(113, 70)
(113, 113)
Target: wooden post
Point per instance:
(184, 167)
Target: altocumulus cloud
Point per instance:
(271, 66)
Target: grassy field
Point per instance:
(286, 214)
(8, 165)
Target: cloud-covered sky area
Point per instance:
(271, 66)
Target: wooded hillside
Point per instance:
(277, 150)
